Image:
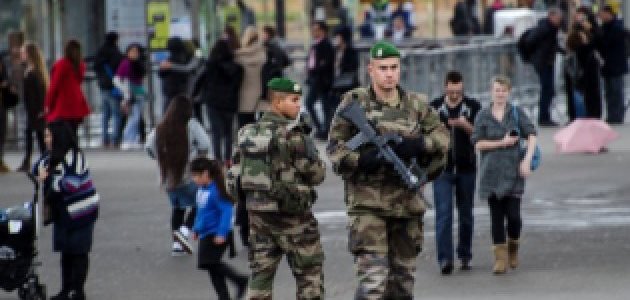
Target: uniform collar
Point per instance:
(274, 117)
(401, 94)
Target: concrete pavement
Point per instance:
(575, 244)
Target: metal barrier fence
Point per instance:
(424, 66)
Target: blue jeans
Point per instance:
(183, 196)
(132, 129)
(110, 111)
(464, 186)
(615, 103)
(547, 91)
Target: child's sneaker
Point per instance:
(181, 236)
(178, 250)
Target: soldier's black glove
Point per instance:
(369, 161)
(410, 147)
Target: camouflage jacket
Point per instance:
(295, 166)
(383, 193)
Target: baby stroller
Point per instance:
(19, 228)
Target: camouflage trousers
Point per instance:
(273, 235)
(385, 251)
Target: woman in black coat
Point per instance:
(73, 203)
(346, 71)
(220, 85)
(35, 85)
(582, 72)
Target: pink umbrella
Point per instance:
(584, 136)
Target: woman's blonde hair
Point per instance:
(250, 36)
(35, 58)
(503, 80)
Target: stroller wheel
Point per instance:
(32, 290)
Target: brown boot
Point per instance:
(513, 253)
(500, 259)
(3, 167)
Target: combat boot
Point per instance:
(513, 253)
(500, 259)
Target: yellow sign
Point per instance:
(158, 22)
(232, 17)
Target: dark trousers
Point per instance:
(502, 211)
(179, 217)
(310, 101)
(463, 186)
(218, 273)
(246, 118)
(74, 270)
(222, 131)
(3, 130)
(28, 135)
(615, 103)
(546, 78)
(330, 106)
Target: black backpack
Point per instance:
(525, 47)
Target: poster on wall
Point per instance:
(158, 24)
(127, 18)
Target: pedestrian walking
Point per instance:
(129, 79)
(176, 72)
(11, 80)
(35, 85)
(277, 59)
(457, 183)
(276, 166)
(213, 226)
(106, 63)
(220, 85)
(64, 99)
(177, 140)
(581, 71)
(385, 216)
(251, 56)
(612, 47)
(503, 169)
(69, 193)
(346, 72)
(545, 38)
(321, 71)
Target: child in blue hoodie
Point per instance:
(213, 226)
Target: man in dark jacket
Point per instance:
(320, 65)
(545, 37)
(277, 58)
(457, 112)
(612, 47)
(106, 62)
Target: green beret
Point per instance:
(280, 84)
(384, 49)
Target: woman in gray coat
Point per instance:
(503, 169)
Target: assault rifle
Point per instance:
(355, 114)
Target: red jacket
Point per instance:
(64, 99)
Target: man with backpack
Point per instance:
(538, 46)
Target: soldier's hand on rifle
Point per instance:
(370, 161)
(410, 147)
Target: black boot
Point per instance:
(66, 277)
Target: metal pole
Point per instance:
(194, 19)
(280, 19)
(435, 22)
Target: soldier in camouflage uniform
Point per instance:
(385, 218)
(276, 166)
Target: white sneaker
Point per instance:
(177, 250)
(183, 241)
(126, 146)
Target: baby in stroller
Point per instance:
(18, 233)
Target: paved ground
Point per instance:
(576, 236)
